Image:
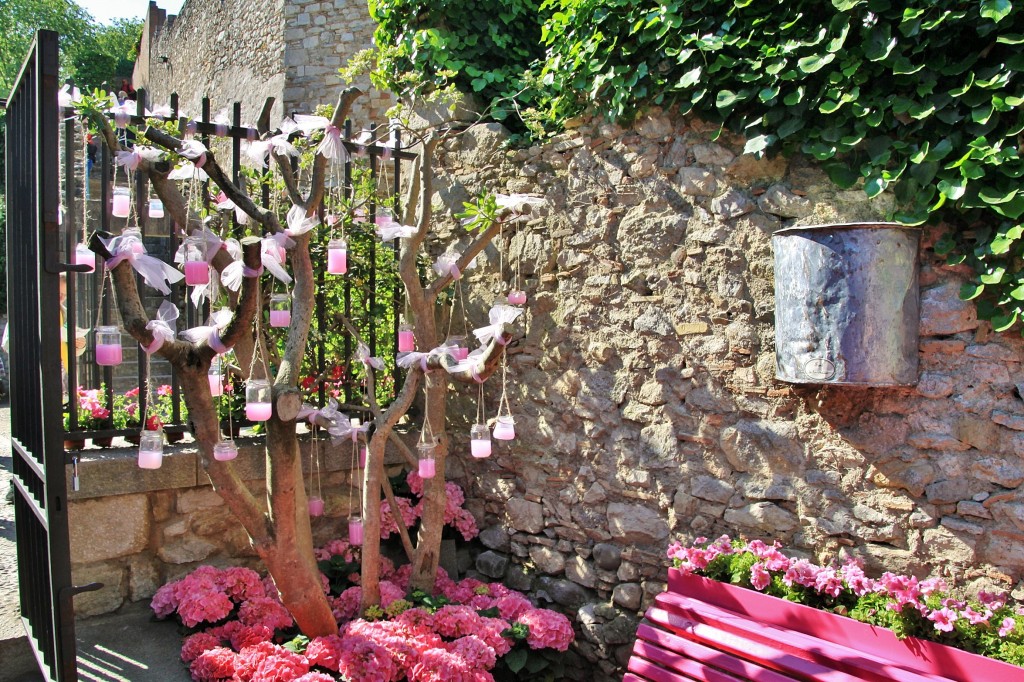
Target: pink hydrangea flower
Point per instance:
(197, 644)
(214, 665)
(363, 660)
(266, 662)
(474, 651)
(548, 629)
(265, 611)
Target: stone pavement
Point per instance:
(127, 646)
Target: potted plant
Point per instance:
(915, 623)
(92, 415)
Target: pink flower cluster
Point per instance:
(900, 591)
(454, 514)
(208, 594)
(90, 401)
(454, 643)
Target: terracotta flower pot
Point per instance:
(74, 444)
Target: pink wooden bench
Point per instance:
(683, 639)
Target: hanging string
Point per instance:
(426, 419)
(503, 401)
(481, 412)
(85, 191)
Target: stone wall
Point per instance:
(134, 530)
(248, 50)
(229, 50)
(644, 394)
(320, 37)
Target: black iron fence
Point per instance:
(369, 294)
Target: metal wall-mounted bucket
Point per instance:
(847, 304)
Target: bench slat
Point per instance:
(865, 666)
(745, 648)
(707, 656)
(654, 673)
(697, 670)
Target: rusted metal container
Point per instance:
(847, 304)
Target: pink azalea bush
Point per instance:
(465, 632)
(989, 624)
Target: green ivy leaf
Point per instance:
(994, 276)
(1001, 323)
(690, 78)
(842, 175)
(991, 195)
(971, 290)
(1012, 209)
(874, 186)
(758, 144)
(815, 62)
(880, 43)
(996, 10)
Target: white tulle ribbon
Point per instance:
(271, 257)
(474, 364)
(363, 353)
(331, 146)
(67, 96)
(407, 360)
(163, 327)
(298, 222)
(194, 151)
(188, 171)
(499, 315)
(122, 112)
(162, 111)
(395, 231)
(448, 264)
(279, 144)
(254, 154)
(241, 216)
(210, 332)
(154, 271)
(131, 159)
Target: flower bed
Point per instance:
(920, 609)
(469, 632)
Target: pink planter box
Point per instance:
(756, 609)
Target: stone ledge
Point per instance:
(114, 471)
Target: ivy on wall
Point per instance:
(921, 98)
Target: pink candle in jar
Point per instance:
(362, 457)
(406, 341)
(428, 468)
(355, 531)
(316, 506)
(258, 412)
(337, 257)
(150, 459)
(121, 203)
(504, 428)
(280, 318)
(460, 353)
(196, 272)
(225, 451)
(216, 384)
(83, 256)
(108, 354)
(517, 297)
(480, 448)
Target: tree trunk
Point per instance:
(435, 496)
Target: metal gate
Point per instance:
(33, 273)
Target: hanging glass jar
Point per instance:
(337, 257)
(280, 310)
(504, 428)
(457, 347)
(427, 463)
(225, 451)
(406, 338)
(85, 256)
(216, 377)
(480, 441)
(316, 506)
(517, 297)
(355, 530)
(108, 346)
(197, 270)
(120, 202)
(156, 208)
(257, 400)
(151, 449)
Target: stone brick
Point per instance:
(547, 560)
(108, 528)
(492, 564)
(636, 524)
(525, 515)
